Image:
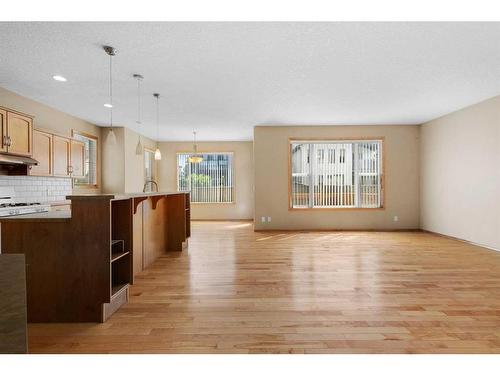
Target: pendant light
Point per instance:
(157, 152)
(111, 51)
(195, 157)
(139, 149)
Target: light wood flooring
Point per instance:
(236, 291)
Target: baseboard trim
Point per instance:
(461, 240)
(338, 230)
(222, 220)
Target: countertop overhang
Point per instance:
(65, 215)
(53, 216)
(123, 195)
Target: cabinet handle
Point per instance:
(70, 169)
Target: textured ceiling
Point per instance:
(224, 78)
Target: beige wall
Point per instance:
(113, 161)
(134, 172)
(243, 178)
(447, 182)
(124, 169)
(460, 174)
(48, 118)
(401, 148)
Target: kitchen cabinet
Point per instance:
(89, 252)
(77, 160)
(19, 134)
(62, 156)
(3, 130)
(16, 133)
(160, 223)
(13, 326)
(42, 152)
(57, 155)
(154, 230)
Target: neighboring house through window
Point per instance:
(350, 177)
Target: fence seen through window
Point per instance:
(209, 181)
(334, 174)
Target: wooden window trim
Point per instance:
(233, 173)
(155, 164)
(383, 202)
(98, 164)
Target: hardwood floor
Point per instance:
(236, 291)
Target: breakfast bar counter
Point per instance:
(80, 262)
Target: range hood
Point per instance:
(18, 160)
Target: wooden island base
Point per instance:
(79, 264)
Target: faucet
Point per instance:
(150, 182)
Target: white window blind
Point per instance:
(210, 181)
(336, 174)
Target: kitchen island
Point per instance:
(80, 263)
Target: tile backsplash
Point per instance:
(38, 189)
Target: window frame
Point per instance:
(233, 173)
(339, 140)
(154, 169)
(98, 166)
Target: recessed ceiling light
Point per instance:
(107, 105)
(59, 78)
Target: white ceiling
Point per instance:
(224, 78)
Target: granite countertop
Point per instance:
(123, 195)
(60, 203)
(41, 216)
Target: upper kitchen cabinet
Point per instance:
(62, 156)
(19, 134)
(42, 152)
(3, 131)
(57, 155)
(77, 159)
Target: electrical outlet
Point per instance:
(396, 218)
(263, 219)
(269, 219)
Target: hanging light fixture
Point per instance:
(157, 152)
(139, 149)
(195, 157)
(111, 51)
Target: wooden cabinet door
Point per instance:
(154, 231)
(3, 130)
(62, 156)
(42, 152)
(77, 158)
(20, 133)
